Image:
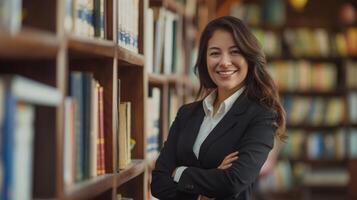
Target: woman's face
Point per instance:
(226, 65)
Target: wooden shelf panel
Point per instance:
(129, 58)
(322, 187)
(90, 188)
(29, 43)
(309, 127)
(340, 92)
(170, 5)
(136, 168)
(157, 79)
(352, 89)
(91, 46)
(354, 125)
(320, 162)
(334, 59)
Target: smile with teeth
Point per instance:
(227, 73)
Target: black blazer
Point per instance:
(247, 127)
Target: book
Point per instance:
(124, 135)
(10, 15)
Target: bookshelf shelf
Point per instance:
(334, 59)
(327, 187)
(91, 46)
(321, 162)
(90, 188)
(127, 57)
(181, 80)
(136, 168)
(309, 127)
(29, 43)
(340, 92)
(170, 5)
(157, 79)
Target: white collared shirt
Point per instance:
(210, 121)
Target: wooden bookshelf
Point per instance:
(44, 51)
(91, 46)
(136, 168)
(157, 79)
(29, 43)
(170, 5)
(129, 58)
(89, 188)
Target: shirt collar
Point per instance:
(226, 104)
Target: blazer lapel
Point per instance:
(230, 119)
(191, 130)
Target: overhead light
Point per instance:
(298, 5)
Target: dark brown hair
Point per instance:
(259, 85)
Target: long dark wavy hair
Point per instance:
(259, 85)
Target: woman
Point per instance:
(240, 114)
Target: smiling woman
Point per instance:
(217, 146)
(227, 67)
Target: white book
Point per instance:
(69, 141)
(149, 41)
(31, 91)
(23, 143)
(93, 156)
(10, 15)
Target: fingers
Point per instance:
(225, 166)
(232, 154)
(228, 160)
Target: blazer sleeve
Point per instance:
(253, 151)
(162, 184)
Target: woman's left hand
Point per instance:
(227, 162)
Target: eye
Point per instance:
(215, 53)
(235, 52)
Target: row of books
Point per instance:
(128, 24)
(154, 105)
(351, 71)
(307, 42)
(163, 41)
(335, 177)
(286, 176)
(19, 99)
(304, 75)
(84, 148)
(319, 42)
(270, 42)
(84, 136)
(85, 18)
(316, 145)
(280, 179)
(314, 110)
(270, 12)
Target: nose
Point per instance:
(226, 60)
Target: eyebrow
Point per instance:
(216, 48)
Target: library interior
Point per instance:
(89, 89)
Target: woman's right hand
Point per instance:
(227, 162)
